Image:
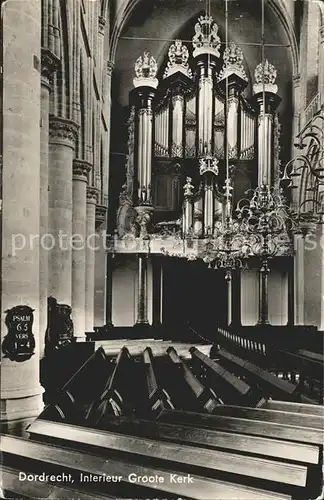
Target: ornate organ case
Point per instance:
(184, 124)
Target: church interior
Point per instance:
(162, 249)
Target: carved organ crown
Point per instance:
(181, 128)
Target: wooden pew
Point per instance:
(254, 470)
(206, 398)
(117, 397)
(70, 402)
(269, 383)
(245, 426)
(158, 398)
(262, 446)
(311, 355)
(294, 407)
(227, 386)
(267, 415)
(305, 365)
(88, 381)
(29, 452)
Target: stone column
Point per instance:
(291, 292)
(81, 170)
(100, 266)
(296, 105)
(109, 290)
(321, 266)
(49, 65)
(61, 148)
(20, 390)
(91, 245)
(263, 293)
(321, 65)
(142, 291)
(157, 291)
(236, 298)
(299, 278)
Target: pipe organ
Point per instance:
(188, 117)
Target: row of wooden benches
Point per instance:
(273, 453)
(302, 367)
(126, 387)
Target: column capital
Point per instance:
(62, 131)
(110, 67)
(81, 169)
(92, 195)
(50, 63)
(101, 211)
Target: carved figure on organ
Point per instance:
(178, 60)
(145, 71)
(233, 62)
(265, 75)
(188, 187)
(206, 39)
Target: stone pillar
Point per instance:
(61, 149)
(297, 110)
(299, 279)
(321, 66)
(142, 291)
(236, 298)
(263, 293)
(109, 290)
(49, 65)
(100, 266)
(101, 40)
(321, 266)
(290, 292)
(20, 390)
(91, 245)
(228, 277)
(81, 170)
(157, 291)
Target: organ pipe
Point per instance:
(205, 106)
(177, 125)
(265, 137)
